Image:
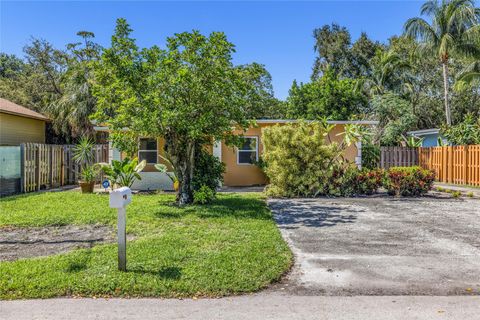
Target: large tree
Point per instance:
(335, 52)
(453, 30)
(328, 97)
(190, 92)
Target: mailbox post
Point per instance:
(119, 198)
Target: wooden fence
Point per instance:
(458, 164)
(45, 166)
(398, 157)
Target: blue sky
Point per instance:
(276, 34)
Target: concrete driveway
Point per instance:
(381, 245)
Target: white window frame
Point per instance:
(256, 151)
(156, 149)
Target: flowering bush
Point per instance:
(409, 181)
(361, 182)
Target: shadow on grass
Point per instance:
(232, 207)
(235, 207)
(170, 273)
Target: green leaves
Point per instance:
(123, 173)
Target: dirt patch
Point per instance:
(16, 243)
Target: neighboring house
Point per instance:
(19, 124)
(429, 137)
(240, 167)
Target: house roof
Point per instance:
(425, 132)
(15, 109)
(260, 121)
(366, 122)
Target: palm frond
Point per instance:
(419, 28)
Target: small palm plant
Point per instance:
(123, 173)
(413, 142)
(84, 156)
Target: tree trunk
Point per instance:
(182, 158)
(445, 88)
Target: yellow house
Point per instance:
(19, 124)
(240, 167)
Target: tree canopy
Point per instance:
(189, 92)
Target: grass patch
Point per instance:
(231, 246)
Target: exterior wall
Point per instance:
(249, 174)
(153, 181)
(235, 174)
(430, 140)
(15, 130)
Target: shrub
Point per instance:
(370, 154)
(361, 182)
(300, 162)
(208, 171)
(203, 195)
(470, 194)
(456, 194)
(409, 181)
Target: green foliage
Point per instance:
(328, 97)
(456, 194)
(158, 92)
(356, 182)
(208, 171)
(123, 173)
(409, 181)
(395, 116)
(452, 31)
(413, 142)
(466, 132)
(203, 195)
(300, 162)
(336, 52)
(470, 194)
(370, 153)
(90, 172)
(83, 151)
(83, 154)
(125, 141)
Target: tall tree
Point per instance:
(328, 97)
(332, 44)
(189, 93)
(454, 29)
(76, 103)
(336, 53)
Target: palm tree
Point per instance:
(454, 29)
(385, 74)
(470, 73)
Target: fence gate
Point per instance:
(398, 157)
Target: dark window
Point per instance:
(147, 150)
(248, 152)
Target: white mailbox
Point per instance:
(119, 198)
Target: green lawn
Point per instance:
(230, 246)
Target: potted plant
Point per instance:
(84, 156)
(89, 175)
